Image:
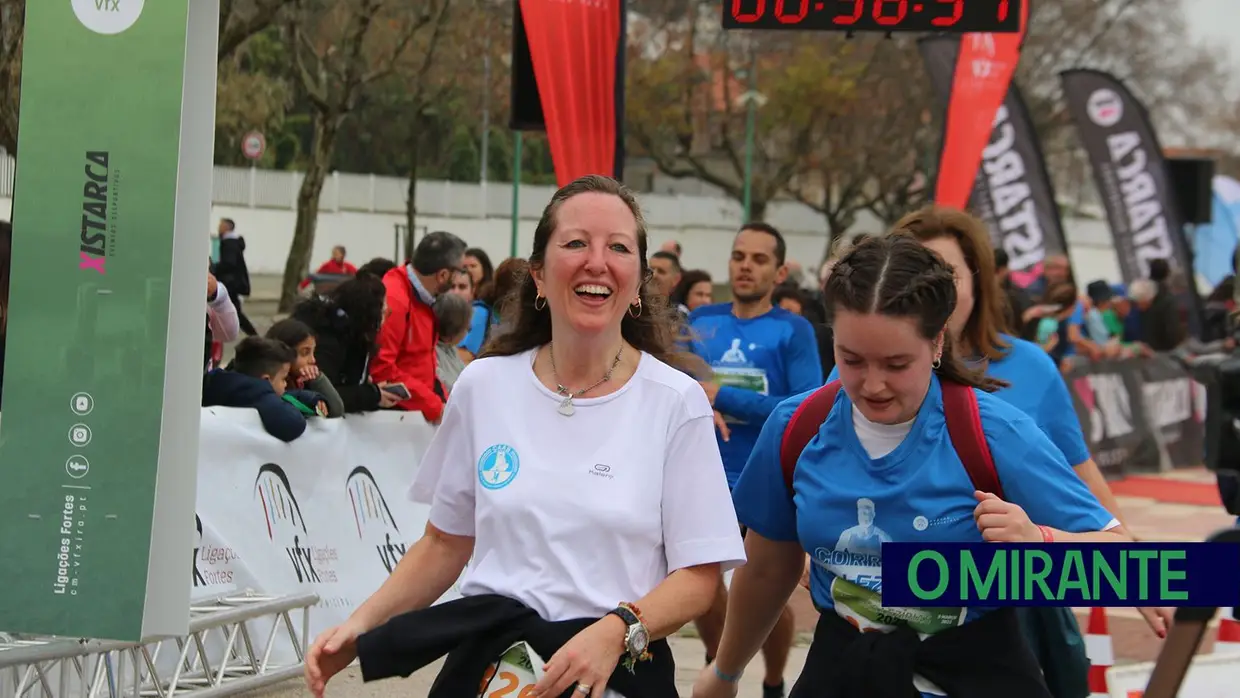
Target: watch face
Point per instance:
(638, 640)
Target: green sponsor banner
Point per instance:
(103, 365)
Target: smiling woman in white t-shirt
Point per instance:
(577, 465)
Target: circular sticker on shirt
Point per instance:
(920, 523)
(498, 466)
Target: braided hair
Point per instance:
(896, 276)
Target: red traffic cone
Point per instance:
(1100, 651)
(1228, 641)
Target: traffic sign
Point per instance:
(254, 145)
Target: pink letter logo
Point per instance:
(89, 262)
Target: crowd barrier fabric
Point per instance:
(327, 513)
(1139, 415)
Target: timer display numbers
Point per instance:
(954, 16)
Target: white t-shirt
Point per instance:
(574, 515)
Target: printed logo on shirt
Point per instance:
(603, 471)
(498, 466)
(856, 562)
(921, 523)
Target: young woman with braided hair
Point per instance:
(880, 467)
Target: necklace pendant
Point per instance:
(566, 407)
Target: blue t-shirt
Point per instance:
(1037, 388)
(758, 362)
(478, 327)
(847, 504)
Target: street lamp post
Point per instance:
(751, 117)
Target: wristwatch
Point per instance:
(636, 638)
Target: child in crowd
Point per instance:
(452, 319)
(257, 378)
(304, 373)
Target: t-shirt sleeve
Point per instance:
(1057, 415)
(446, 476)
(1035, 474)
(699, 522)
(761, 497)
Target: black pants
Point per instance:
(246, 326)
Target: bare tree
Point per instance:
(688, 97)
(12, 29)
(429, 72)
(339, 47)
(875, 150)
(241, 19)
(1145, 43)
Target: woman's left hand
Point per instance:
(310, 372)
(587, 660)
(1159, 619)
(1003, 522)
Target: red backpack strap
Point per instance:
(804, 425)
(964, 426)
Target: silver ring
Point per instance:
(583, 688)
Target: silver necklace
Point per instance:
(566, 405)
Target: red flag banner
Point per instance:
(984, 71)
(573, 46)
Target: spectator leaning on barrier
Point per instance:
(304, 373)
(257, 378)
(346, 326)
(408, 336)
(452, 313)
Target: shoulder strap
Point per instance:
(964, 426)
(804, 425)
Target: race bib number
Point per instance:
(864, 609)
(514, 675)
(751, 379)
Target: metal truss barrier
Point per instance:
(219, 657)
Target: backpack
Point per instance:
(964, 425)
(1053, 634)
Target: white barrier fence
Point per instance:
(327, 513)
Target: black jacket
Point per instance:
(280, 418)
(474, 631)
(232, 270)
(985, 658)
(344, 363)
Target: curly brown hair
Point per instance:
(654, 330)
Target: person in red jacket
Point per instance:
(407, 338)
(336, 266)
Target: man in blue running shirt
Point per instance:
(761, 354)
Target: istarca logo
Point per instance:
(108, 16)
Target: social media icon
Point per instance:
(82, 404)
(79, 435)
(77, 467)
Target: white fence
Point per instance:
(363, 212)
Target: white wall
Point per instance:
(362, 212)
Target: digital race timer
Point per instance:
(875, 15)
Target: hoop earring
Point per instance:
(537, 298)
(639, 308)
(937, 363)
